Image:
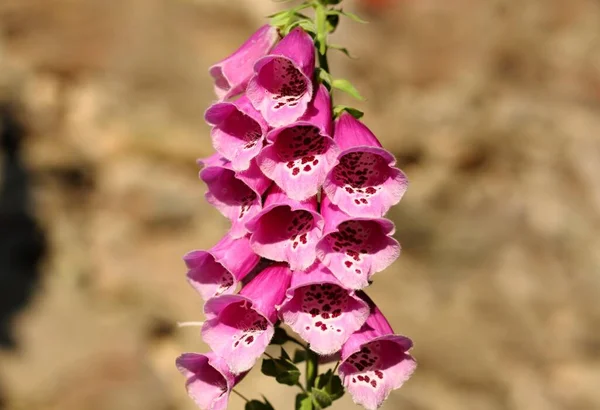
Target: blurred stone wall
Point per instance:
(491, 107)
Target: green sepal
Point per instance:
(339, 109)
(331, 384)
(258, 405)
(283, 370)
(320, 398)
(347, 87)
(299, 356)
(280, 336)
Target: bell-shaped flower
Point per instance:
(239, 327)
(321, 310)
(238, 131)
(209, 380)
(219, 269)
(365, 181)
(282, 87)
(286, 230)
(375, 361)
(231, 75)
(355, 248)
(301, 154)
(237, 195)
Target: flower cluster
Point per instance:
(306, 196)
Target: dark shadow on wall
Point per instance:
(22, 243)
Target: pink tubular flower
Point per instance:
(231, 75)
(302, 153)
(237, 195)
(219, 269)
(240, 327)
(321, 310)
(238, 131)
(209, 380)
(286, 230)
(364, 182)
(281, 87)
(375, 361)
(355, 248)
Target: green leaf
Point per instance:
(321, 398)
(342, 49)
(258, 405)
(347, 87)
(303, 402)
(299, 356)
(280, 336)
(339, 109)
(285, 372)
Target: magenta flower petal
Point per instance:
(286, 230)
(231, 74)
(355, 248)
(238, 131)
(236, 195)
(301, 154)
(321, 310)
(218, 270)
(240, 327)
(281, 87)
(209, 381)
(375, 361)
(365, 182)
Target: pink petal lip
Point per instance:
(364, 184)
(321, 310)
(209, 380)
(236, 331)
(273, 96)
(378, 367)
(219, 269)
(298, 159)
(286, 230)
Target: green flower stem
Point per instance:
(241, 395)
(312, 368)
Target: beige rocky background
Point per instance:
(492, 107)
